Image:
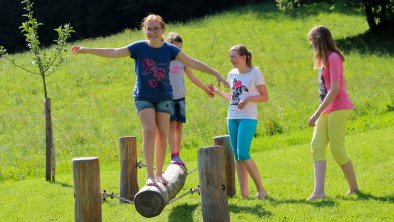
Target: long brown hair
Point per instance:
(323, 44)
(243, 51)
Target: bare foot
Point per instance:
(350, 192)
(314, 197)
(161, 180)
(261, 195)
(150, 182)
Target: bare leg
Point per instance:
(178, 136)
(253, 171)
(172, 136)
(162, 122)
(350, 175)
(320, 173)
(242, 178)
(147, 119)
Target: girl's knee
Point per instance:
(149, 132)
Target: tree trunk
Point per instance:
(369, 14)
(50, 146)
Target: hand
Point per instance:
(209, 92)
(212, 87)
(242, 104)
(76, 49)
(312, 120)
(220, 78)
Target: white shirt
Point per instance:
(242, 86)
(177, 79)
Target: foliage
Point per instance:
(379, 13)
(45, 65)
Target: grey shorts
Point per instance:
(178, 112)
(160, 106)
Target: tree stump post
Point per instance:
(87, 203)
(128, 184)
(213, 184)
(151, 200)
(229, 164)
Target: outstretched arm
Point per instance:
(226, 96)
(197, 82)
(195, 64)
(104, 52)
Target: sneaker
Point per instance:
(177, 160)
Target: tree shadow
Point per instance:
(319, 203)
(182, 213)
(369, 43)
(367, 196)
(256, 210)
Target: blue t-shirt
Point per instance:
(152, 68)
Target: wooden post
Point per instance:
(151, 200)
(214, 203)
(229, 164)
(128, 184)
(50, 166)
(87, 205)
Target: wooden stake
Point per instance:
(128, 184)
(87, 205)
(213, 184)
(229, 164)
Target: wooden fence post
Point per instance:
(229, 163)
(128, 184)
(212, 184)
(87, 203)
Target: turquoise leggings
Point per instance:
(241, 132)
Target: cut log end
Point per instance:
(149, 203)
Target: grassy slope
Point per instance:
(92, 107)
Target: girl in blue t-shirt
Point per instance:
(153, 91)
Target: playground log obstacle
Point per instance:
(229, 165)
(151, 200)
(87, 202)
(213, 184)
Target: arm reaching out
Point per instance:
(197, 82)
(103, 52)
(195, 64)
(226, 96)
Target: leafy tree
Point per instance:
(379, 13)
(44, 65)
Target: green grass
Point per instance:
(92, 106)
(287, 175)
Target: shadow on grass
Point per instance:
(63, 184)
(367, 196)
(319, 203)
(183, 213)
(256, 210)
(369, 43)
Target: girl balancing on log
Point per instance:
(152, 91)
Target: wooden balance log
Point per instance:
(151, 200)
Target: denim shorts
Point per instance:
(160, 106)
(178, 112)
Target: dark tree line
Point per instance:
(379, 13)
(92, 18)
